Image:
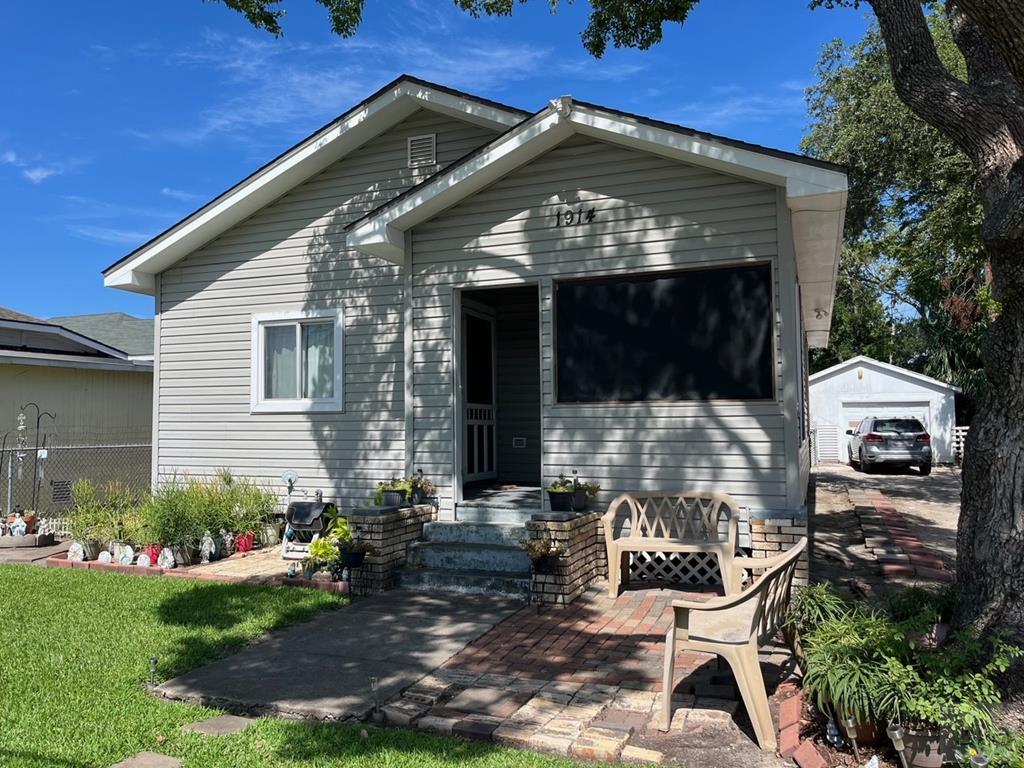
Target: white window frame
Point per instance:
(258, 402)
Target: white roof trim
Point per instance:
(816, 196)
(889, 367)
(56, 360)
(313, 155)
(64, 333)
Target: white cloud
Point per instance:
(732, 109)
(8, 158)
(113, 235)
(180, 194)
(39, 174)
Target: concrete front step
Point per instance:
(493, 513)
(469, 556)
(475, 533)
(464, 581)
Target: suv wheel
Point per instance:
(926, 469)
(855, 464)
(864, 466)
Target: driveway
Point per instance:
(930, 505)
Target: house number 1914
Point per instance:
(573, 217)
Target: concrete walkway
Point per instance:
(322, 669)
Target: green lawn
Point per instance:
(74, 656)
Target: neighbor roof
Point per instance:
(10, 314)
(889, 367)
(19, 321)
(388, 106)
(132, 335)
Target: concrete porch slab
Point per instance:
(322, 669)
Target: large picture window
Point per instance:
(698, 334)
(297, 362)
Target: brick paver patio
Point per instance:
(585, 681)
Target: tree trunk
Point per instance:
(990, 539)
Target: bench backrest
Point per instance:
(772, 591)
(687, 515)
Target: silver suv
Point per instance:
(897, 441)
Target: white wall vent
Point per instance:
(422, 150)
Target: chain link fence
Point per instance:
(41, 479)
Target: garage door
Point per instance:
(854, 412)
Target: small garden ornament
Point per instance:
(228, 545)
(19, 527)
(75, 553)
(206, 548)
(166, 558)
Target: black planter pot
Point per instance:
(393, 498)
(568, 501)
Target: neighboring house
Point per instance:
(841, 396)
(437, 281)
(131, 335)
(98, 392)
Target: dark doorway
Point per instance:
(501, 396)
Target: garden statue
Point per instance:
(75, 553)
(105, 557)
(143, 561)
(166, 559)
(228, 545)
(125, 554)
(206, 549)
(19, 527)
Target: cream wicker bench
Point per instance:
(688, 521)
(734, 627)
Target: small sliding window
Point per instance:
(695, 334)
(297, 362)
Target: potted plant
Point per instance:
(323, 554)
(845, 658)
(937, 697)
(173, 519)
(420, 487)
(86, 522)
(568, 495)
(544, 554)
(392, 493)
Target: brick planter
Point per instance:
(389, 533)
(774, 535)
(581, 539)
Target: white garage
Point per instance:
(842, 395)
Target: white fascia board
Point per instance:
(870, 362)
(48, 360)
(381, 235)
(309, 158)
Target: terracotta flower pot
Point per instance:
(927, 749)
(244, 542)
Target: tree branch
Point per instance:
(1002, 23)
(926, 86)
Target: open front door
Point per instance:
(478, 355)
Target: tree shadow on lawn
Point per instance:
(217, 614)
(34, 759)
(396, 747)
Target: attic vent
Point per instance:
(422, 150)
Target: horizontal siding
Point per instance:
(293, 255)
(652, 214)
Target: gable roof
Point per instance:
(886, 367)
(84, 346)
(131, 335)
(815, 192)
(388, 106)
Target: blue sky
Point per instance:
(121, 117)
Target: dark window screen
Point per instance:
(479, 361)
(691, 335)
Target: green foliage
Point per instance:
(952, 687)
(345, 15)
(912, 284)
(814, 604)
(918, 608)
(113, 515)
(173, 514)
(322, 553)
(1004, 749)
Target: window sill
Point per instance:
(297, 406)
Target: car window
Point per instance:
(898, 425)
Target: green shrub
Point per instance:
(113, 515)
(86, 519)
(814, 604)
(919, 608)
(172, 515)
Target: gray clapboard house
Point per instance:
(437, 281)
